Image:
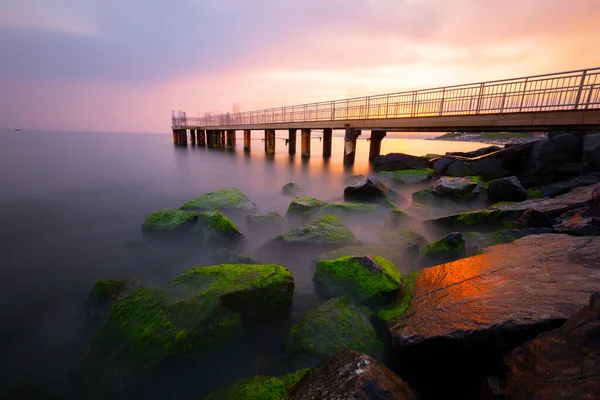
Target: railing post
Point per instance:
(442, 102)
(387, 105)
(333, 110)
(523, 96)
(481, 89)
(412, 104)
(580, 90)
(589, 99)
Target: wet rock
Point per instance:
(398, 161)
(458, 168)
(465, 315)
(357, 251)
(355, 178)
(425, 197)
(456, 188)
(591, 151)
(348, 208)
(399, 218)
(506, 189)
(490, 168)
(441, 165)
(106, 292)
(351, 375)
(371, 189)
(368, 279)
(450, 248)
(270, 219)
(215, 227)
(476, 153)
(483, 221)
(578, 222)
(476, 241)
(560, 364)
(564, 186)
(290, 189)
(229, 199)
(170, 223)
(190, 313)
(407, 176)
(305, 205)
(336, 325)
(533, 218)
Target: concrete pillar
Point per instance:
(247, 139)
(270, 141)
(214, 139)
(201, 137)
(221, 139)
(327, 137)
(183, 137)
(350, 144)
(375, 149)
(305, 142)
(193, 136)
(292, 141)
(230, 139)
(174, 136)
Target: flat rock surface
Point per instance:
(352, 375)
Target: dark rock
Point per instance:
(397, 161)
(270, 219)
(480, 221)
(424, 197)
(406, 176)
(490, 168)
(492, 388)
(25, 391)
(506, 189)
(390, 253)
(106, 292)
(372, 189)
(591, 151)
(476, 153)
(290, 189)
(465, 315)
(564, 186)
(547, 156)
(578, 222)
(351, 375)
(450, 248)
(355, 178)
(227, 256)
(402, 239)
(456, 188)
(458, 168)
(533, 218)
(441, 165)
(560, 364)
(475, 241)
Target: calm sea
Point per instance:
(71, 208)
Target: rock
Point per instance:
(492, 388)
(327, 232)
(371, 189)
(355, 178)
(424, 197)
(564, 186)
(215, 227)
(390, 254)
(450, 248)
(229, 199)
(398, 161)
(290, 189)
(441, 165)
(458, 168)
(336, 325)
(227, 256)
(270, 219)
(533, 218)
(506, 189)
(368, 280)
(402, 239)
(484, 220)
(305, 205)
(106, 292)
(259, 387)
(170, 223)
(578, 222)
(456, 188)
(476, 241)
(25, 391)
(348, 208)
(490, 168)
(547, 156)
(407, 176)
(561, 364)
(399, 218)
(591, 151)
(465, 315)
(190, 313)
(351, 375)
(476, 153)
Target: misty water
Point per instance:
(71, 208)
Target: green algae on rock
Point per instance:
(474, 220)
(270, 219)
(106, 292)
(406, 176)
(193, 310)
(222, 199)
(447, 249)
(390, 254)
(394, 311)
(336, 325)
(367, 279)
(305, 205)
(214, 226)
(402, 239)
(172, 222)
(348, 208)
(290, 189)
(424, 197)
(327, 231)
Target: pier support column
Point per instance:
(247, 140)
(350, 144)
(214, 139)
(327, 137)
(270, 141)
(183, 137)
(221, 139)
(230, 140)
(201, 137)
(375, 149)
(174, 136)
(292, 141)
(193, 136)
(305, 142)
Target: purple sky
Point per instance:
(97, 65)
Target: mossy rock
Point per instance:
(447, 249)
(336, 325)
(356, 251)
(259, 387)
(291, 189)
(425, 197)
(466, 188)
(328, 231)
(229, 199)
(348, 208)
(368, 280)
(106, 292)
(533, 193)
(402, 239)
(392, 312)
(214, 226)
(484, 220)
(170, 222)
(227, 256)
(270, 219)
(305, 205)
(399, 218)
(407, 176)
(191, 313)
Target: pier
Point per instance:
(564, 101)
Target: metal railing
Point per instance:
(572, 90)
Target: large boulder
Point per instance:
(560, 364)
(170, 223)
(351, 375)
(465, 315)
(191, 312)
(483, 220)
(490, 168)
(591, 151)
(106, 292)
(406, 176)
(455, 188)
(398, 161)
(547, 156)
(348, 208)
(229, 199)
(372, 189)
(449, 248)
(215, 227)
(441, 165)
(476, 153)
(305, 205)
(291, 189)
(403, 239)
(533, 218)
(578, 222)
(336, 325)
(475, 242)
(270, 219)
(356, 251)
(564, 186)
(506, 189)
(367, 279)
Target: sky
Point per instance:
(123, 66)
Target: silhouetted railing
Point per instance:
(573, 90)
